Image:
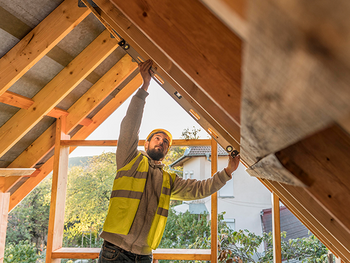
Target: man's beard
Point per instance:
(155, 155)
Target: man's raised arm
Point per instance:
(130, 126)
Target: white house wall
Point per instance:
(249, 195)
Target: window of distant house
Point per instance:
(186, 175)
(230, 222)
(227, 190)
(191, 174)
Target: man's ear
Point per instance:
(146, 145)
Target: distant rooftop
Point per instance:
(197, 151)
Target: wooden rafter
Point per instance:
(39, 42)
(88, 102)
(212, 113)
(23, 102)
(82, 134)
(15, 128)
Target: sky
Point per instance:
(161, 111)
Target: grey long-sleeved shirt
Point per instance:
(136, 240)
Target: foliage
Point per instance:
(21, 252)
(240, 246)
(88, 196)
(29, 219)
(188, 134)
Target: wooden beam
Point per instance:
(176, 142)
(4, 208)
(58, 192)
(16, 127)
(276, 229)
(77, 112)
(313, 216)
(193, 37)
(324, 159)
(22, 102)
(232, 13)
(16, 100)
(214, 204)
(198, 100)
(296, 79)
(16, 171)
(165, 254)
(39, 42)
(82, 134)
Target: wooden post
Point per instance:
(276, 226)
(58, 192)
(4, 208)
(214, 204)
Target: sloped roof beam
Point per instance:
(15, 63)
(56, 90)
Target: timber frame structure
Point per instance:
(269, 78)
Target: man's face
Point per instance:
(158, 146)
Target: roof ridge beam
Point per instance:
(15, 63)
(56, 90)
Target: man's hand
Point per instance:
(144, 68)
(232, 164)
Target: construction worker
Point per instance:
(141, 193)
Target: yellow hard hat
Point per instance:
(170, 138)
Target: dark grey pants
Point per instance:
(113, 254)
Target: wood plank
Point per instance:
(232, 13)
(4, 208)
(95, 95)
(176, 142)
(324, 158)
(16, 171)
(166, 254)
(228, 128)
(276, 229)
(82, 134)
(58, 191)
(16, 127)
(313, 216)
(16, 100)
(214, 205)
(296, 79)
(39, 42)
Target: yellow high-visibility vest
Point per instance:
(126, 196)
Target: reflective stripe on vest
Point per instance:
(127, 191)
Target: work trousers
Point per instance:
(113, 254)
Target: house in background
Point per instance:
(242, 198)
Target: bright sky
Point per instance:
(161, 111)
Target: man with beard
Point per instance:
(140, 198)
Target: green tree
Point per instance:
(29, 219)
(88, 194)
(21, 252)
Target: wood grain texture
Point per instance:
(276, 229)
(324, 157)
(296, 73)
(16, 171)
(16, 100)
(193, 37)
(214, 205)
(4, 206)
(39, 42)
(199, 101)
